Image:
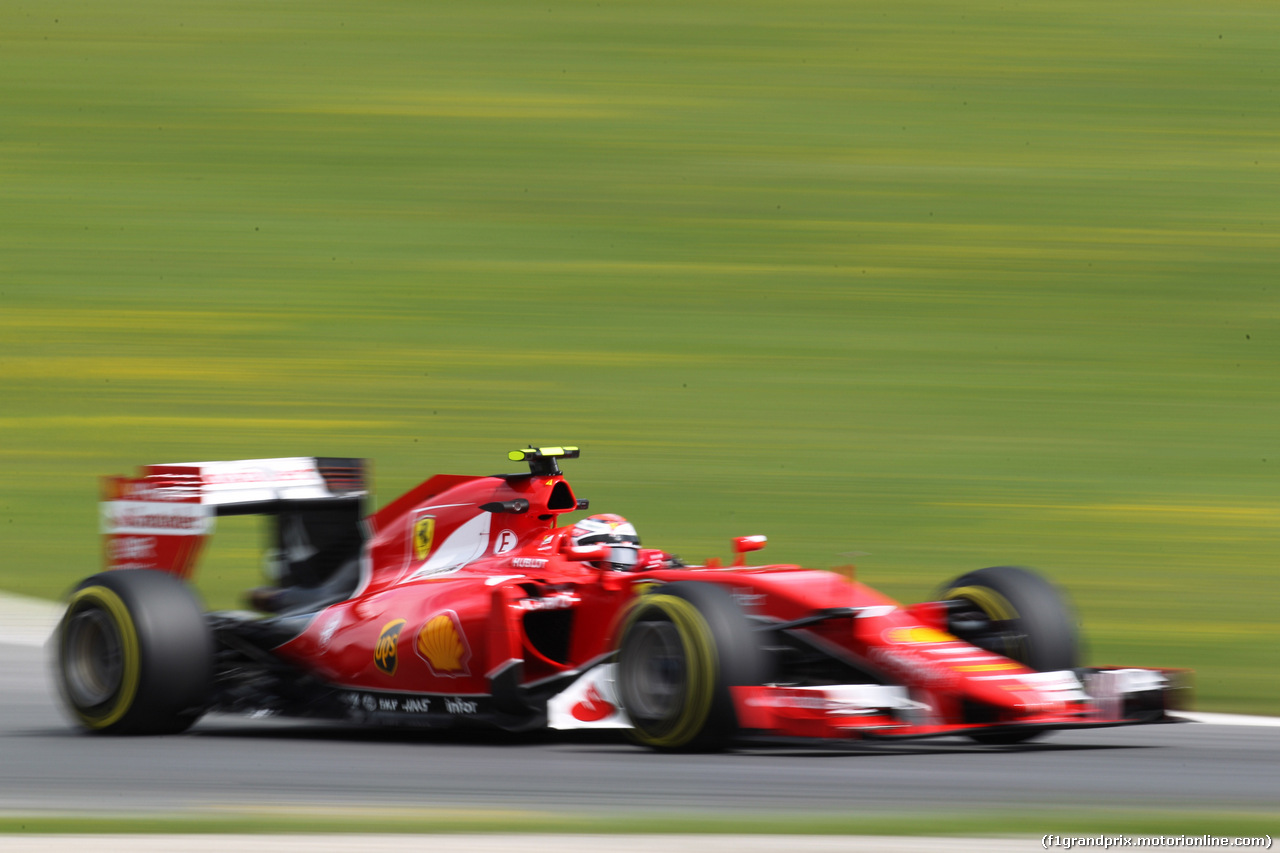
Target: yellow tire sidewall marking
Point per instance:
(701, 666)
(997, 607)
(991, 602)
(130, 654)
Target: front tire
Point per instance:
(681, 648)
(1017, 613)
(134, 654)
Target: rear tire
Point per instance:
(1019, 614)
(135, 654)
(681, 648)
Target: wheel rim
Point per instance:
(1001, 633)
(668, 669)
(93, 658)
(656, 685)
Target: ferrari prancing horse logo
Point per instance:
(424, 531)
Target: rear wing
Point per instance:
(161, 518)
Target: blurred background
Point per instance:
(950, 285)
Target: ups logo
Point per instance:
(424, 531)
(384, 654)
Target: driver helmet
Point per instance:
(624, 543)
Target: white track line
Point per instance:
(505, 843)
(1227, 719)
(26, 621)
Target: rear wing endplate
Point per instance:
(161, 518)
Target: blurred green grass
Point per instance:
(954, 285)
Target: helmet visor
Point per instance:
(624, 557)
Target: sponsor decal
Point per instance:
(592, 707)
(261, 474)
(745, 598)
(909, 663)
(590, 702)
(144, 518)
(139, 550)
(460, 706)
(545, 544)
(840, 700)
(398, 704)
(141, 490)
(505, 542)
(443, 645)
(384, 654)
(785, 699)
(467, 542)
(554, 601)
(918, 634)
(528, 562)
(424, 531)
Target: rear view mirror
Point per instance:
(744, 544)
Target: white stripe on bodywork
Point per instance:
(466, 544)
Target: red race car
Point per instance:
(464, 602)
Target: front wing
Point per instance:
(1084, 698)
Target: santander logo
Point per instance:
(592, 707)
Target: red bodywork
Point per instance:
(467, 594)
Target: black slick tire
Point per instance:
(682, 646)
(134, 654)
(1030, 620)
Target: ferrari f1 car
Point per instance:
(466, 602)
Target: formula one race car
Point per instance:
(464, 602)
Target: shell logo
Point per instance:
(918, 635)
(443, 645)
